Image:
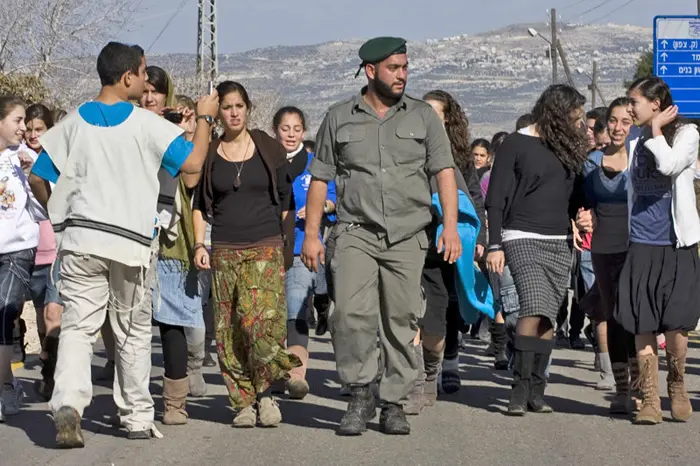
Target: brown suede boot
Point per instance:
(297, 386)
(681, 409)
(175, 400)
(413, 404)
(432, 362)
(650, 412)
(635, 394)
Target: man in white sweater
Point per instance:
(104, 159)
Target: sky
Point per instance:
(250, 24)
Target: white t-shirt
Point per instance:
(19, 211)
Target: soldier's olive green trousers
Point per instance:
(377, 287)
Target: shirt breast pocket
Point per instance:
(352, 145)
(409, 145)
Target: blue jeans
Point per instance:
(15, 280)
(586, 270)
(300, 284)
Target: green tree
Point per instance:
(645, 67)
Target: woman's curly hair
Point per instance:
(457, 127)
(556, 127)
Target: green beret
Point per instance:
(381, 48)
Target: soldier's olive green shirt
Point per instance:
(381, 167)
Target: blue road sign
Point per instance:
(677, 60)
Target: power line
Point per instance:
(571, 5)
(167, 25)
(592, 9)
(613, 11)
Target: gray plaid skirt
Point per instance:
(541, 270)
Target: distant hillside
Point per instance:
(495, 75)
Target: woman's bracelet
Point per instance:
(199, 245)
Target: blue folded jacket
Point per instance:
(473, 290)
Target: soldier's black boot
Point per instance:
(393, 420)
(361, 409)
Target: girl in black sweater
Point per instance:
(530, 204)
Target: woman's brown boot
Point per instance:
(297, 386)
(681, 409)
(175, 400)
(635, 394)
(650, 412)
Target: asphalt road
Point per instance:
(466, 428)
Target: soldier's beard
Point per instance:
(384, 90)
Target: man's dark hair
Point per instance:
(115, 59)
(597, 113)
(524, 121)
(310, 145)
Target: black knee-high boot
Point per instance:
(44, 387)
(525, 348)
(538, 381)
(499, 339)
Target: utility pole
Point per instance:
(564, 62)
(594, 84)
(207, 49)
(553, 46)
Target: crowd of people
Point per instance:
(142, 207)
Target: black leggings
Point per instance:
(174, 351)
(620, 343)
(454, 323)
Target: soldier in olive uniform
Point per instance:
(380, 147)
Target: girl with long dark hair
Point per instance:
(302, 285)
(605, 184)
(245, 192)
(481, 155)
(532, 171)
(20, 214)
(439, 327)
(659, 290)
(177, 298)
(47, 302)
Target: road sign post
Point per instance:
(677, 60)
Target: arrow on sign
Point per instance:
(663, 69)
(664, 56)
(664, 43)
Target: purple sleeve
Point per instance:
(485, 183)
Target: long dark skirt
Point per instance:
(659, 289)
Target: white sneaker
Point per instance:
(11, 399)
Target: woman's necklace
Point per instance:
(237, 181)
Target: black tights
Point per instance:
(620, 343)
(174, 351)
(454, 323)
(535, 326)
